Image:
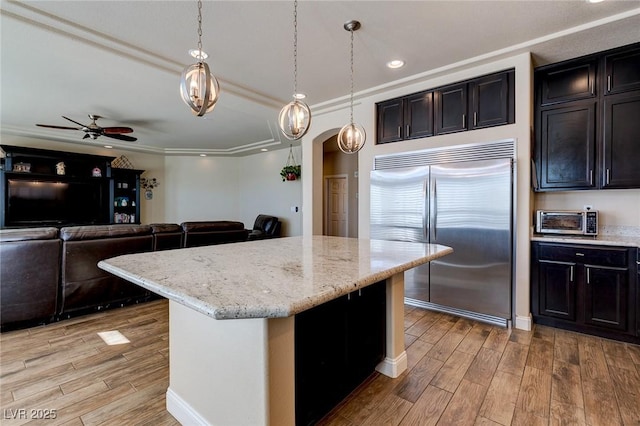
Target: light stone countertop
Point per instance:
(269, 278)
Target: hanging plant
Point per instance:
(291, 171)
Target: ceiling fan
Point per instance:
(93, 130)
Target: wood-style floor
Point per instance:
(460, 373)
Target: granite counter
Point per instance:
(232, 309)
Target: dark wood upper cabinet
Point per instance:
(622, 71)
(570, 82)
(621, 143)
(390, 120)
(451, 108)
(408, 117)
(472, 104)
(492, 100)
(418, 115)
(567, 149)
(587, 122)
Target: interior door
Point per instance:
(400, 212)
(337, 207)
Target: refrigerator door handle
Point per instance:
(434, 212)
(425, 210)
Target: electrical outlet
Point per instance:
(587, 207)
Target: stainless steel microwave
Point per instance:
(571, 222)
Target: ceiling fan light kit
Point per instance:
(198, 87)
(295, 117)
(352, 136)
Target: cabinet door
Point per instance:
(566, 149)
(622, 71)
(489, 104)
(605, 297)
(366, 332)
(621, 144)
(390, 121)
(320, 360)
(451, 109)
(418, 115)
(567, 82)
(557, 289)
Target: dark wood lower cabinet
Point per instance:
(591, 289)
(337, 346)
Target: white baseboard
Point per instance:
(182, 411)
(524, 323)
(393, 367)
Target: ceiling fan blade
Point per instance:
(58, 127)
(121, 137)
(112, 130)
(79, 124)
(86, 135)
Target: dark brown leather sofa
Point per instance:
(48, 274)
(29, 271)
(207, 233)
(84, 286)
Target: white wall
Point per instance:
(325, 122)
(200, 188)
(261, 190)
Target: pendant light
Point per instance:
(295, 117)
(352, 136)
(198, 87)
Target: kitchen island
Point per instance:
(232, 314)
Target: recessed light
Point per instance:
(595, 1)
(196, 53)
(264, 150)
(396, 63)
(108, 146)
(299, 96)
(203, 155)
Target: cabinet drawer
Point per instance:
(613, 257)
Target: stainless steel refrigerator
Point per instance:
(467, 205)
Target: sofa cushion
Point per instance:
(215, 225)
(93, 232)
(25, 234)
(160, 228)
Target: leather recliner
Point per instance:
(265, 227)
(29, 273)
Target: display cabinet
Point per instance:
(126, 195)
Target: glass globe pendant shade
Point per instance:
(199, 88)
(351, 138)
(294, 119)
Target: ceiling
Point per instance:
(122, 59)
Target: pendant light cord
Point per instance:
(295, 47)
(200, 58)
(351, 97)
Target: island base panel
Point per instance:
(230, 372)
(395, 361)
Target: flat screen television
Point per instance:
(56, 203)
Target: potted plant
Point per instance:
(290, 172)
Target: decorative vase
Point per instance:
(148, 194)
